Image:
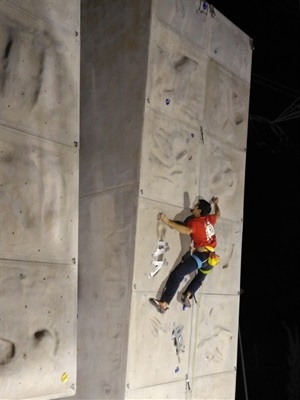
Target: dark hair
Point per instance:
(205, 207)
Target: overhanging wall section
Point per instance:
(193, 144)
(39, 186)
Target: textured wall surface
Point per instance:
(39, 173)
(164, 113)
(193, 144)
(114, 53)
(164, 96)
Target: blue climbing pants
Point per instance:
(186, 267)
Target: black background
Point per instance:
(269, 350)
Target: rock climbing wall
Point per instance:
(194, 144)
(164, 113)
(39, 174)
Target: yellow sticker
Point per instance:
(64, 377)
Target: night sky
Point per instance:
(270, 300)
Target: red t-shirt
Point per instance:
(203, 231)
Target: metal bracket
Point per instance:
(158, 266)
(178, 340)
(162, 248)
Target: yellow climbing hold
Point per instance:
(64, 377)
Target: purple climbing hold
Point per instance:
(167, 102)
(177, 369)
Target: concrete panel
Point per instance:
(215, 329)
(171, 152)
(106, 247)
(114, 51)
(186, 19)
(214, 387)
(38, 330)
(152, 357)
(40, 78)
(226, 175)
(59, 13)
(226, 106)
(39, 199)
(230, 47)
(177, 76)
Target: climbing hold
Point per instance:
(64, 378)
